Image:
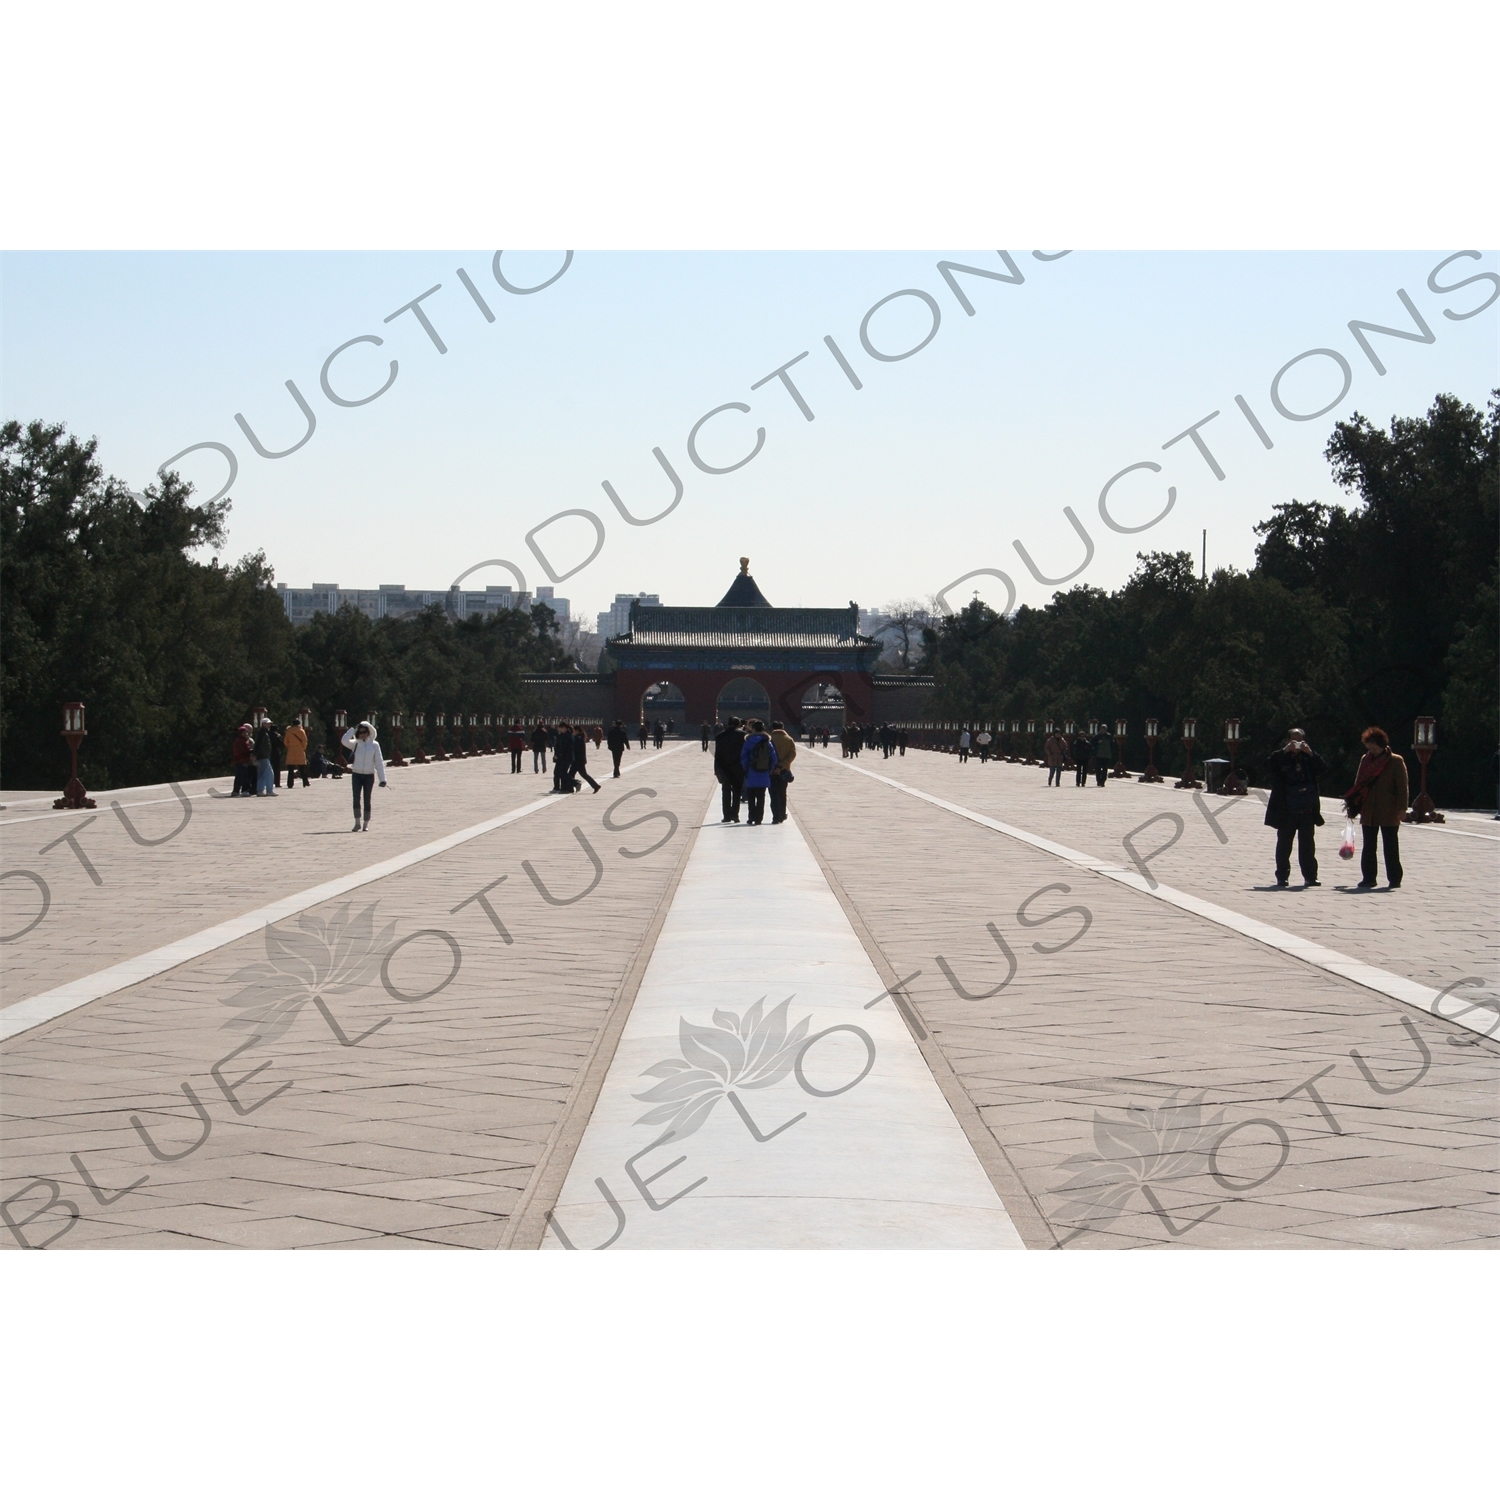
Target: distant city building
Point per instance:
(393, 600)
(616, 619)
(548, 595)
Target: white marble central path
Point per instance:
(788, 1134)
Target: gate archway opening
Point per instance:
(743, 698)
(823, 708)
(664, 702)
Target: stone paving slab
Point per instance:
(764, 1142)
(231, 855)
(418, 1120)
(1439, 926)
(1114, 1063)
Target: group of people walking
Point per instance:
(886, 738)
(749, 762)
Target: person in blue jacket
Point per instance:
(758, 757)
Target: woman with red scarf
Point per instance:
(1379, 799)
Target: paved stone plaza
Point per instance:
(944, 1006)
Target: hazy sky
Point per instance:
(934, 468)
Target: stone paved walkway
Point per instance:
(1124, 1072)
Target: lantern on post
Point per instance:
(340, 724)
(1153, 733)
(1031, 742)
(1233, 785)
(473, 734)
(1070, 729)
(489, 720)
(419, 720)
(75, 795)
(305, 719)
(439, 724)
(1424, 741)
(396, 717)
(1121, 729)
(1093, 729)
(1189, 737)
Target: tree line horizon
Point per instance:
(1372, 613)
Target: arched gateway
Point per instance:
(724, 651)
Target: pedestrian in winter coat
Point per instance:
(729, 770)
(1379, 799)
(1104, 756)
(758, 757)
(515, 742)
(1293, 808)
(580, 762)
(242, 757)
(786, 753)
(562, 759)
(1055, 752)
(618, 741)
(1082, 750)
(265, 774)
(295, 741)
(365, 764)
(538, 749)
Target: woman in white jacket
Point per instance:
(366, 764)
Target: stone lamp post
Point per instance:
(1189, 738)
(1234, 786)
(419, 721)
(1153, 733)
(75, 795)
(396, 717)
(1121, 729)
(1424, 742)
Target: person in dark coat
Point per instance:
(1082, 750)
(729, 770)
(643, 733)
(265, 738)
(538, 749)
(562, 759)
(1379, 799)
(1104, 756)
(705, 736)
(1293, 809)
(760, 762)
(515, 742)
(580, 762)
(618, 741)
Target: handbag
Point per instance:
(1346, 844)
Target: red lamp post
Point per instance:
(1030, 742)
(1234, 786)
(473, 734)
(439, 723)
(1015, 748)
(489, 749)
(75, 795)
(1069, 730)
(340, 724)
(1424, 809)
(1153, 733)
(419, 719)
(1189, 736)
(1121, 729)
(396, 731)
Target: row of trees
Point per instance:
(1372, 614)
(101, 600)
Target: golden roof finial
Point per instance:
(744, 565)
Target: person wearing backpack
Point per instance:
(1293, 808)
(758, 757)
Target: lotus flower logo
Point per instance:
(752, 1051)
(321, 956)
(1145, 1146)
